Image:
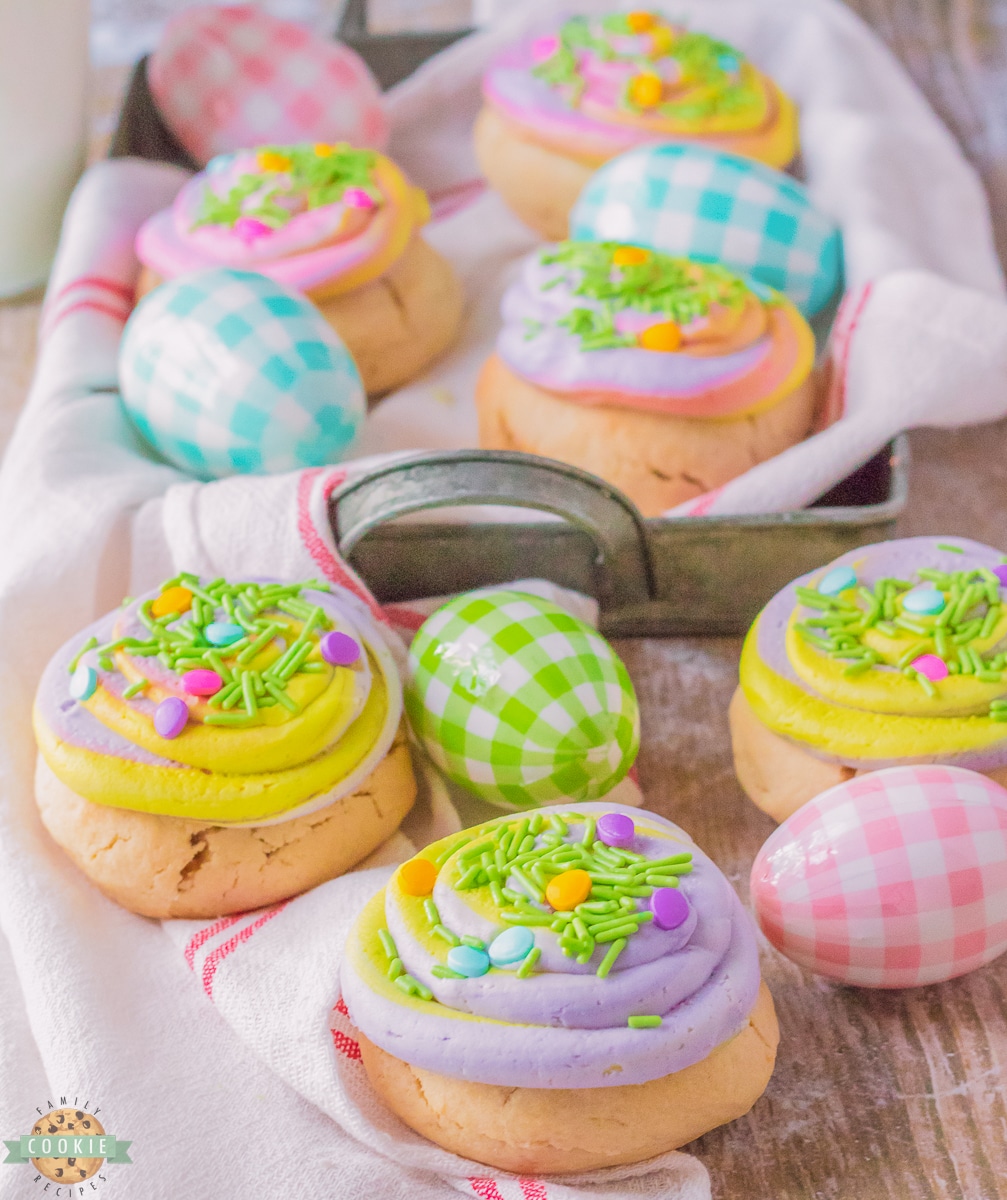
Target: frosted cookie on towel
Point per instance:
(214, 747)
(892, 655)
(665, 377)
(340, 224)
(573, 988)
(560, 104)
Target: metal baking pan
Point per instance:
(693, 575)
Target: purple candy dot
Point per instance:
(340, 649)
(170, 717)
(616, 829)
(669, 906)
(1001, 573)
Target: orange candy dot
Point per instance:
(271, 160)
(564, 892)
(666, 336)
(417, 877)
(629, 256)
(174, 599)
(640, 22)
(646, 90)
(324, 150)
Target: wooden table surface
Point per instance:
(876, 1095)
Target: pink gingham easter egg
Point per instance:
(892, 879)
(229, 78)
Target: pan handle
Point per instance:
(507, 477)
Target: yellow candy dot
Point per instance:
(665, 336)
(629, 256)
(640, 22)
(417, 877)
(646, 90)
(661, 40)
(324, 150)
(564, 892)
(272, 160)
(173, 600)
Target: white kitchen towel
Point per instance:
(96, 1002)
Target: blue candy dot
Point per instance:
(468, 961)
(727, 62)
(927, 600)
(83, 682)
(837, 580)
(223, 633)
(511, 946)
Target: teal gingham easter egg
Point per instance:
(715, 207)
(226, 372)
(520, 702)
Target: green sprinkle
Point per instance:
(528, 963)
(926, 685)
(999, 715)
(589, 831)
(443, 972)
(224, 718)
(914, 651)
(106, 663)
(611, 955)
(859, 667)
(468, 879)
(281, 696)
(496, 891)
(395, 968)
(888, 629)
(989, 676)
(442, 931)
(532, 916)
(610, 935)
(134, 689)
(644, 1022)
(952, 549)
(388, 944)
(476, 943)
(557, 822)
(533, 890)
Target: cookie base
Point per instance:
(778, 775)
(657, 460)
(394, 326)
(550, 1130)
(161, 866)
(539, 185)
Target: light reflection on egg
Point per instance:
(893, 879)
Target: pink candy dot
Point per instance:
(543, 48)
(202, 682)
(931, 667)
(250, 229)
(357, 198)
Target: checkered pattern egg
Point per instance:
(715, 207)
(895, 878)
(520, 702)
(229, 78)
(226, 372)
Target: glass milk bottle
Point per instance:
(43, 130)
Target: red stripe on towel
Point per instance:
(533, 1189)
(216, 957)
(485, 1189)
(201, 936)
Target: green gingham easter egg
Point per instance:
(520, 702)
(226, 372)
(715, 207)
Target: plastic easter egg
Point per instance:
(520, 702)
(715, 207)
(892, 879)
(226, 78)
(226, 372)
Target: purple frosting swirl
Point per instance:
(563, 1026)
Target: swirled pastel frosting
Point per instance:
(243, 703)
(599, 85)
(320, 219)
(621, 959)
(606, 323)
(892, 654)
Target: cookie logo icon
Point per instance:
(64, 1123)
(68, 1146)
